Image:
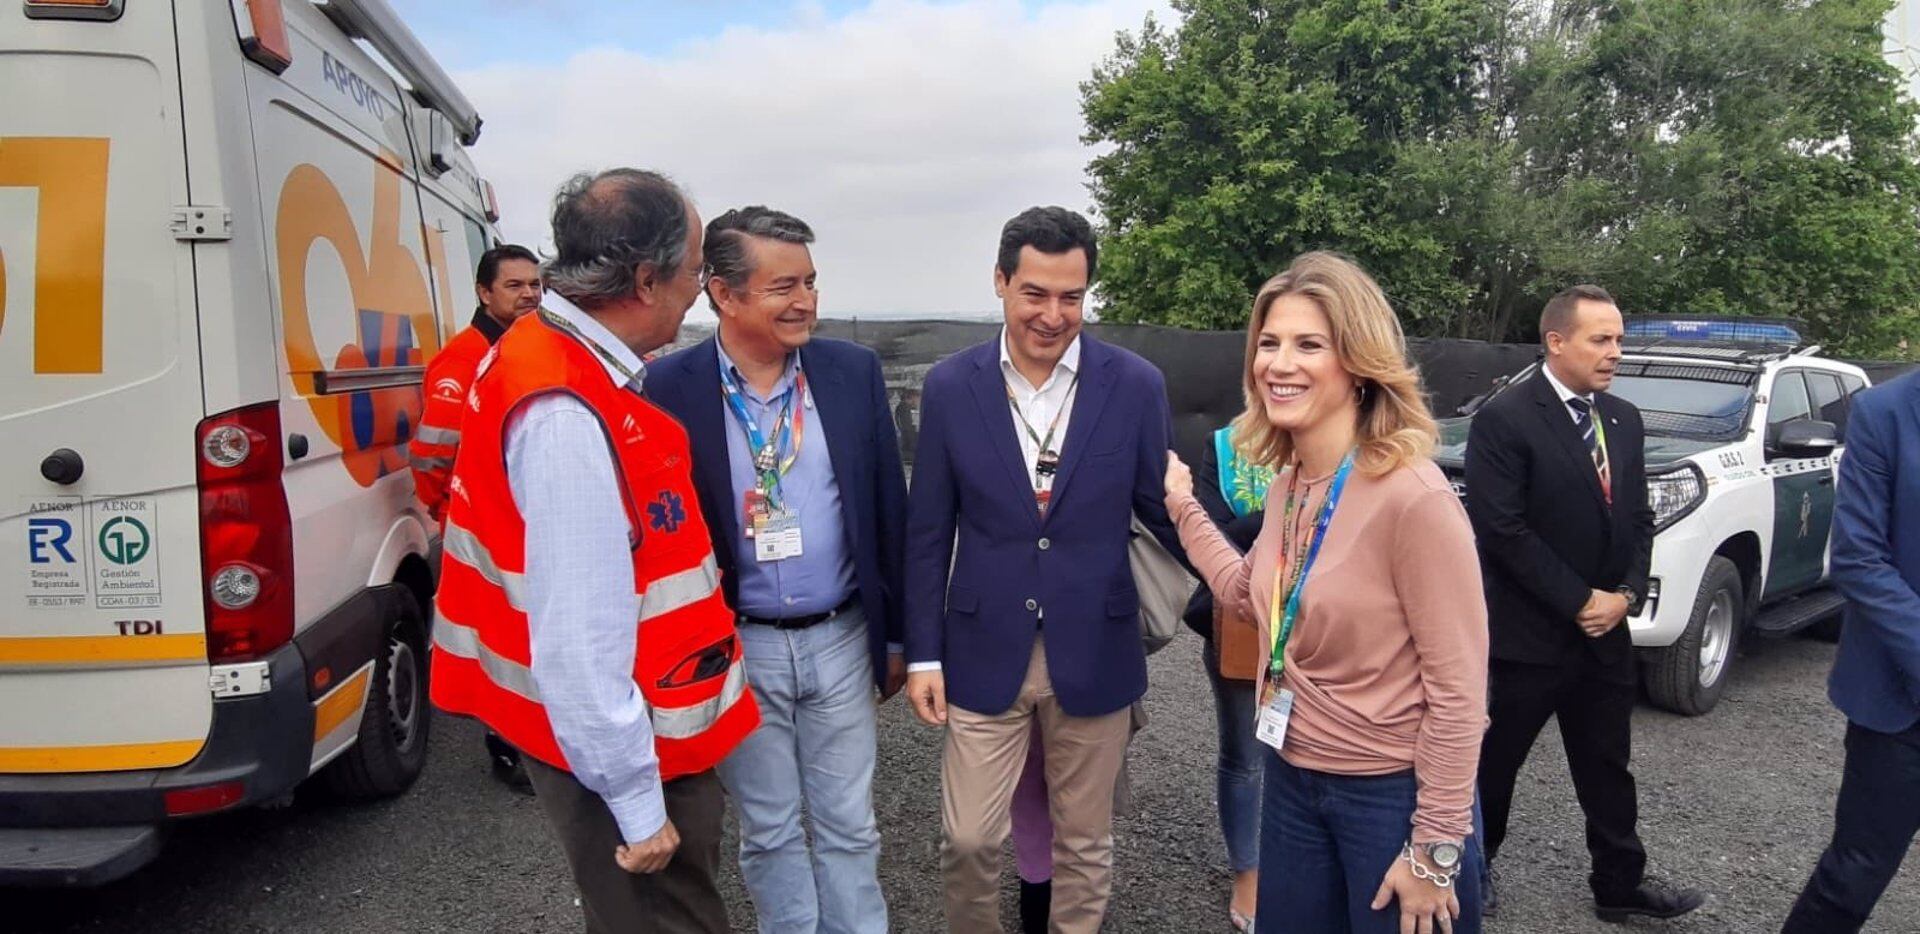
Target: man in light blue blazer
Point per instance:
(1876, 675)
(1036, 448)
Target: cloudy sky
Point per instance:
(904, 131)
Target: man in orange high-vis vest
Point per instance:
(507, 284)
(580, 614)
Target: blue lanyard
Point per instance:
(1282, 627)
(765, 452)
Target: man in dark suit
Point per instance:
(1556, 489)
(798, 471)
(1035, 449)
(1876, 674)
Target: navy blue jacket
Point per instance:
(973, 491)
(850, 396)
(1876, 559)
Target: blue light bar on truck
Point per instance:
(1762, 331)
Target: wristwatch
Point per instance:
(1443, 854)
(1633, 598)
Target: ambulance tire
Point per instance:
(392, 748)
(1689, 676)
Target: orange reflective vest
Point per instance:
(688, 662)
(437, 438)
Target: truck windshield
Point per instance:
(1681, 401)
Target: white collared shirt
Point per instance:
(1560, 389)
(1040, 406)
(581, 608)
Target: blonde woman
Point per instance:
(1366, 589)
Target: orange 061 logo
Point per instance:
(393, 313)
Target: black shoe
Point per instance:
(1652, 899)
(1036, 903)
(1489, 897)
(507, 767)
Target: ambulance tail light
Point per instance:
(246, 534)
(489, 203)
(99, 10)
(262, 25)
(182, 802)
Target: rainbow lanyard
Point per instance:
(1279, 625)
(792, 422)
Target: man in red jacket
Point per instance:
(507, 284)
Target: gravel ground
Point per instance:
(1738, 803)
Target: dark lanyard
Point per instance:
(1047, 459)
(635, 381)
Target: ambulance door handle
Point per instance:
(296, 445)
(63, 466)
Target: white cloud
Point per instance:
(906, 133)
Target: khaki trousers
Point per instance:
(984, 755)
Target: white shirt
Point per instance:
(1038, 406)
(581, 608)
(1564, 393)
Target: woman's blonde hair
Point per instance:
(1396, 429)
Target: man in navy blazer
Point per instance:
(1876, 674)
(1035, 450)
(799, 476)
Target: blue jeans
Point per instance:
(815, 742)
(1326, 842)
(1239, 765)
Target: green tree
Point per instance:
(1695, 156)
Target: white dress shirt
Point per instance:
(1038, 405)
(1564, 393)
(581, 608)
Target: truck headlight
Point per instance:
(1675, 493)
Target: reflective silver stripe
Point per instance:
(464, 641)
(465, 548)
(686, 722)
(429, 464)
(428, 434)
(675, 591)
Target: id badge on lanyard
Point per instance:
(1276, 704)
(770, 524)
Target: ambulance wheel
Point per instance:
(392, 747)
(1689, 676)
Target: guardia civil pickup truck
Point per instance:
(1744, 423)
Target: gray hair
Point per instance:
(606, 226)
(726, 244)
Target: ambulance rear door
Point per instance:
(103, 653)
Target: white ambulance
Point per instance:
(229, 239)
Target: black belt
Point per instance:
(802, 622)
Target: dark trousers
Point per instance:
(1595, 707)
(1873, 824)
(684, 897)
(1327, 841)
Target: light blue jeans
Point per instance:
(815, 744)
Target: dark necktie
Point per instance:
(1589, 435)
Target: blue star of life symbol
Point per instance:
(666, 514)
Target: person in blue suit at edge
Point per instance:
(1876, 674)
(1036, 448)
